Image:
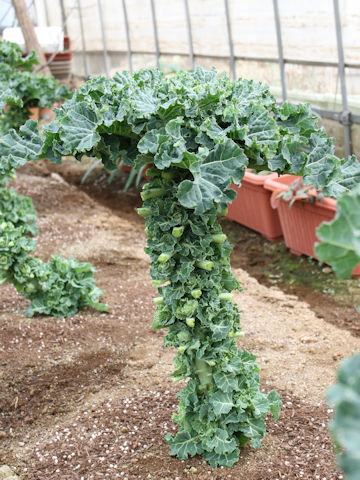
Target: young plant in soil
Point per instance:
(60, 287)
(199, 131)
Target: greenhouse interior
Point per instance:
(179, 240)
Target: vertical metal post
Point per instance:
(128, 41)
(85, 59)
(231, 45)
(156, 38)
(63, 16)
(46, 13)
(189, 32)
(345, 115)
(106, 56)
(280, 49)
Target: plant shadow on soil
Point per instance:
(90, 397)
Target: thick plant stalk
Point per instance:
(221, 408)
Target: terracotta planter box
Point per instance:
(66, 55)
(300, 222)
(34, 113)
(252, 208)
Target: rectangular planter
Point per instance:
(300, 222)
(251, 207)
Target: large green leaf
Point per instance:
(83, 137)
(348, 179)
(16, 148)
(254, 429)
(182, 445)
(221, 402)
(226, 381)
(263, 132)
(225, 459)
(345, 426)
(322, 166)
(212, 177)
(220, 442)
(340, 238)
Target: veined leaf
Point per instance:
(263, 132)
(220, 442)
(349, 179)
(226, 381)
(221, 402)
(254, 429)
(225, 459)
(83, 137)
(182, 445)
(212, 177)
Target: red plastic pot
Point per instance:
(299, 222)
(34, 113)
(66, 55)
(252, 208)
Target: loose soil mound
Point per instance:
(90, 397)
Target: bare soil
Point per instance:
(90, 397)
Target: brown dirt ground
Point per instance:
(90, 397)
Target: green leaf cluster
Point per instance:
(22, 89)
(18, 210)
(59, 288)
(222, 407)
(200, 122)
(345, 426)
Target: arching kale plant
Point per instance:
(200, 131)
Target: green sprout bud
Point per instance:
(151, 172)
(143, 211)
(223, 212)
(158, 300)
(218, 238)
(236, 334)
(205, 265)
(152, 193)
(167, 175)
(211, 363)
(190, 322)
(227, 296)
(196, 293)
(177, 231)
(157, 283)
(164, 257)
(182, 349)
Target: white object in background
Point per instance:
(51, 39)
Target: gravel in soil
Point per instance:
(90, 397)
